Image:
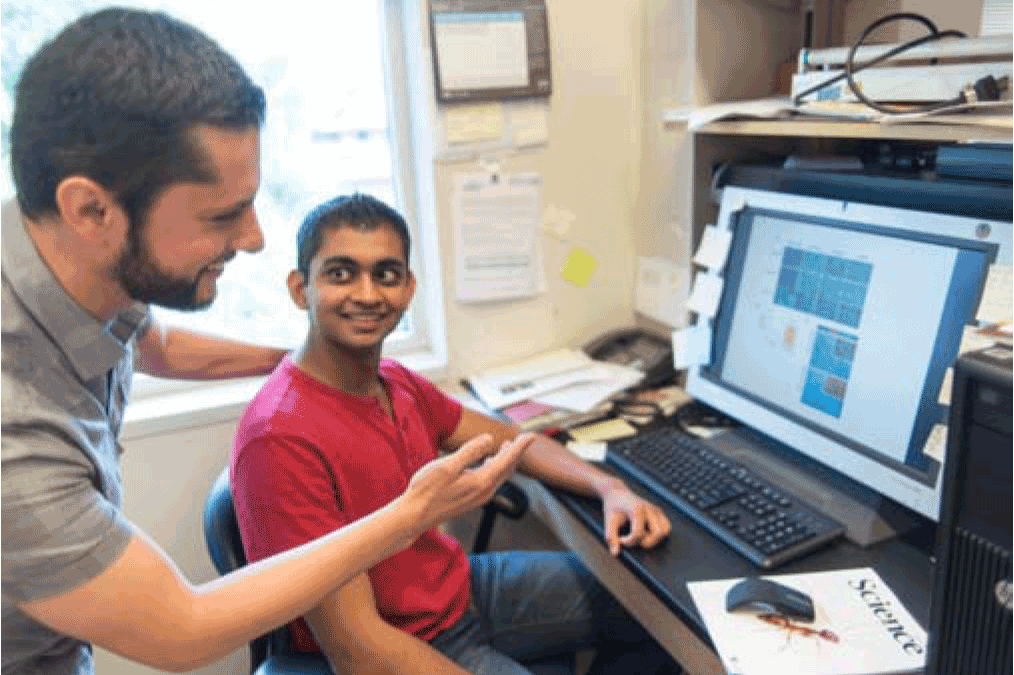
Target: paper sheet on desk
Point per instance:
(592, 451)
(600, 381)
(504, 385)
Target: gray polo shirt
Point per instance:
(65, 382)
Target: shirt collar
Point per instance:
(92, 347)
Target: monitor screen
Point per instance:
(837, 324)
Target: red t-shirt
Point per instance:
(309, 459)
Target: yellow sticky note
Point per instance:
(579, 267)
(473, 122)
(603, 431)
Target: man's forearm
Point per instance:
(549, 461)
(389, 651)
(142, 609)
(545, 459)
(229, 603)
(182, 354)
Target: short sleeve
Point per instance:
(59, 531)
(285, 495)
(440, 412)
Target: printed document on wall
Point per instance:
(496, 219)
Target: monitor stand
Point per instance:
(867, 516)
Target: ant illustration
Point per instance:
(780, 621)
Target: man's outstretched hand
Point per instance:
(464, 479)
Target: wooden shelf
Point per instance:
(845, 129)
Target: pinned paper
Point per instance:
(972, 339)
(473, 122)
(714, 248)
(556, 221)
(936, 443)
(995, 305)
(706, 294)
(529, 123)
(590, 452)
(661, 291)
(691, 346)
(498, 250)
(579, 267)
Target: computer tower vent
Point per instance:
(975, 631)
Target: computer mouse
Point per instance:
(763, 595)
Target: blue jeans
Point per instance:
(528, 605)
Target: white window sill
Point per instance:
(224, 400)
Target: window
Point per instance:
(333, 126)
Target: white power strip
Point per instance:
(900, 84)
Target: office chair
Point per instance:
(509, 500)
(270, 654)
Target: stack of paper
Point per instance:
(590, 386)
(567, 379)
(860, 628)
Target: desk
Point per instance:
(652, 584)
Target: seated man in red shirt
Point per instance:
(337, 432)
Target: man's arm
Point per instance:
(182, 354)
(551, 462)
(356, 639)
(142, 608)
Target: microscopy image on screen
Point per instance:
(828, 374)
(826, 286)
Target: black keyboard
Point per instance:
(762, 523)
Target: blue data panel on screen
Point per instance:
(825, 286)
(828, 373)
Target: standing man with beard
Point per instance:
(135, 153)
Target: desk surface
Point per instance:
(652, 584)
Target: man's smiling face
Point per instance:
(175, 257)
(358, 286)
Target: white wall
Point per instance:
(590, 167)
(946, 14)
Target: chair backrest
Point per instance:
(221, 530)
(225, 546)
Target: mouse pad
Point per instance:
(860, 627)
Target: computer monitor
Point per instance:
(837, 324)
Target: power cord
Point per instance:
(985, 89)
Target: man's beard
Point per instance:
(141, 277)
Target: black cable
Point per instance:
(883, 57)
(851, 69)
(934, 35)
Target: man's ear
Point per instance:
(91, 211)
(297, 288)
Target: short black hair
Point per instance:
(116, 96)
(356, 211)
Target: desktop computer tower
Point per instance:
(970, 621)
